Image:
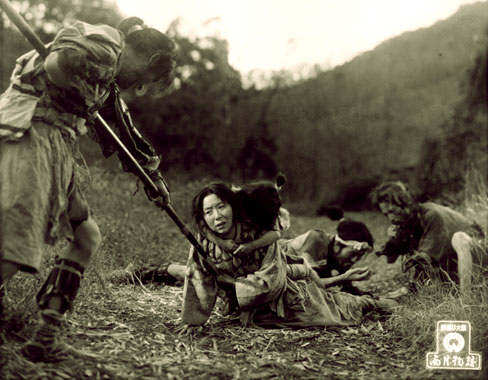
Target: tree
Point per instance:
(464, 143)
(48, 16)
(256, 158)
(193, 127)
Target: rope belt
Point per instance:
(69, 122)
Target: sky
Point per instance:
(273, 35)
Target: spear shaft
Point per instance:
(35, 41)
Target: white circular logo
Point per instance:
(453, 342)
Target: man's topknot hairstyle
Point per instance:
(354, 230)
(149, 42)
(129, 24)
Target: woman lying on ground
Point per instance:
(270, 287)
(330, 255)
(260, 203)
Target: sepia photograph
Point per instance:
(244, 189)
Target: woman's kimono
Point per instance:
(272, 289)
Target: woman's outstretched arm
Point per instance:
(268, 238)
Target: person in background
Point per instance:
(436, 242)
(333, 255)
(43, 176)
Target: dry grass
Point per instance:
(434, 303)
(130, 332)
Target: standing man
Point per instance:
(43, 176)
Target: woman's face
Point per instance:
(217, 214)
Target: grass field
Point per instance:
(126, 331)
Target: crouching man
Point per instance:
(436, 242)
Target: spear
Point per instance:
(35, 41)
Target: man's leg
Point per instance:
(461, 242)
(167, 273)
(178, 271)
(7, 270)
(59, 291)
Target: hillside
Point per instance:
(369, 118)
(341, 131)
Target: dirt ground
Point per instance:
(127, 331)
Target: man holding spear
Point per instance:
(55, 94)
